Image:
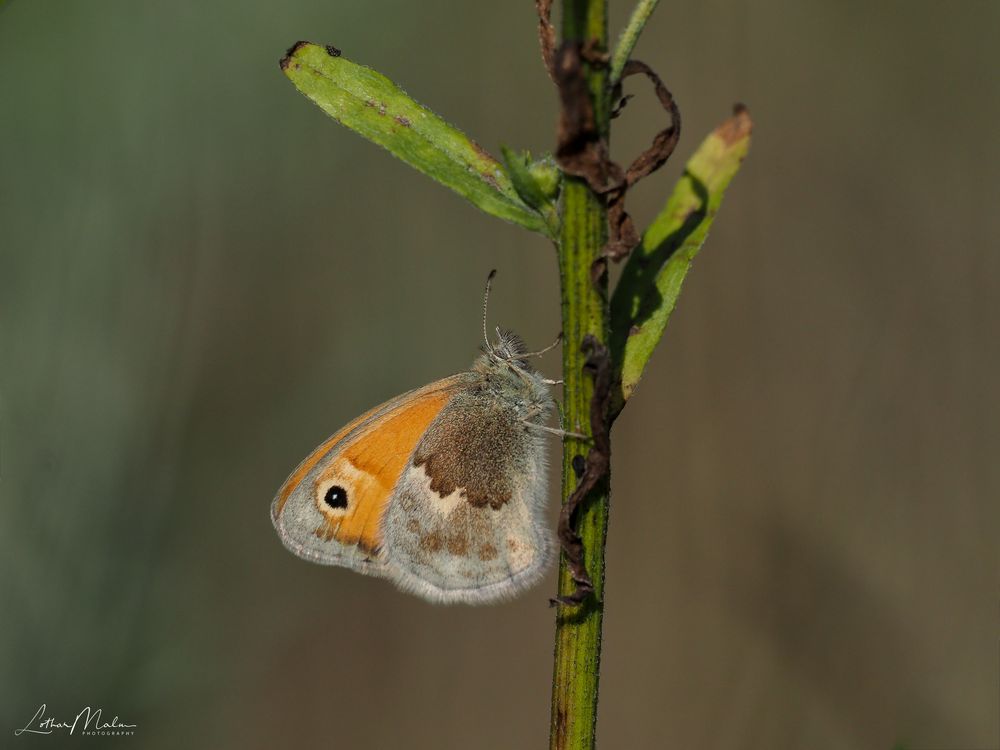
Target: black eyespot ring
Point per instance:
(336, 497)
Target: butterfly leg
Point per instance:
(556, 431)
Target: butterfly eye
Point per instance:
(336, 497)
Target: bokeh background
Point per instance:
(201, 277)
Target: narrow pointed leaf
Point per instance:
(651, 280)
(630, 35)
(371, 105)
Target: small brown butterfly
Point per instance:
(441, 490)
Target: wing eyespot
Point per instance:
(331, 498)
(335, 497)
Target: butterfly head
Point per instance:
(509, 350)
(508, 347)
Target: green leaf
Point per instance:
(630, 35)
(371, 105)
(524, 182)
(651, 280)
(519, 167)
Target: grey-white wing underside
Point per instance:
(450, 536)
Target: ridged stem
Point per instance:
(576, 671)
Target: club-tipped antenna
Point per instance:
(486, 299)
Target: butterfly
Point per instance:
(441, 490)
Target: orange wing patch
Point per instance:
(314, 458)
(367, 465)
(368, 470)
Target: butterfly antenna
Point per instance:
(486, 299)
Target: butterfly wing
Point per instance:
(467, 519)
(330, 508)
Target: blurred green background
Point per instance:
(201, 277)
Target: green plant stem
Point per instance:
(576, 670)
(630, 35)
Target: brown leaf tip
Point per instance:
(737, 127)
(287, 59)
